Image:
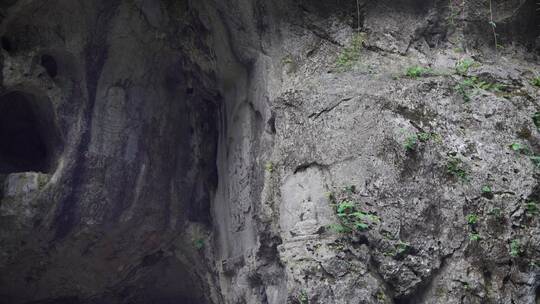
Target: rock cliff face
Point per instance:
(250, 151)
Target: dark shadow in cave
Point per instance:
(6, 44)
(166, 280)
(28, 136)
(50, 65)
(522, 26)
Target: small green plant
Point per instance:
(287, 59)
(351, 217)
(515, 248)
(456, 168)
(525, 150)
(338, 228)
(463, 66)
(463, 89)
(198, 243)
(516, 147)
(345, 207)
(496, 212)
(423, 136)
(532, 208)
(42, 181)
(350, 55)
(303, 297)
(411, 141)
(535, 159)
(381, 297)
(269, 167)
(472, 219)
(475, 237)
(402, 248)
(470, 86)
(487, 192)
(417, 71)
(536, 119)
(329, 195)
(536, 81)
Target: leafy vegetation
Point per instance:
(531, 208)
(470, 86)
(517, 147)
(475, 237)
(350, 55)
(487, 192)
(536, 119)
(463, 66)
(456, 168)
(303, 297)
(411, 141)
(351, 217)
(269, 167)
(417, 71)
(287, 59)
(515, 248)
(472, 219)
(536, 81)
(424, 137)
(402, 248)
(496, 212)
(381, 297)
(522, 149)
(198, 243)
(535, 159)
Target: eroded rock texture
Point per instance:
(177, 151)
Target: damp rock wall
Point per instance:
(248, 151)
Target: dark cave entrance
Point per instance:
(50, 65)
(28, 138)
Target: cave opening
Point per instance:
(28, 139)
(6, 44)
(522, 25)
(50, 65)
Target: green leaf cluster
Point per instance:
(456, 168)
(463, 66)
(411, 141)
(536, 81)
(470, 86)
(532, 208)
(351, 217)
(350, 54)
(515, 248)
(417, 71)
(472, 219)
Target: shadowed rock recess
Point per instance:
(254, 151)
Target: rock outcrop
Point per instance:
(250, 151)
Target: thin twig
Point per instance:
(358, 11)
(492, 25)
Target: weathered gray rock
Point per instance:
(197, 152)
